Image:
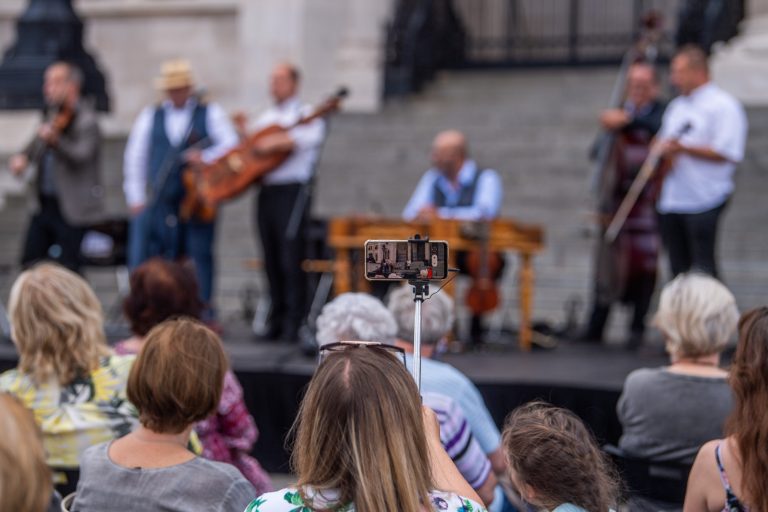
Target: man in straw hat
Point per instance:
(180, 130)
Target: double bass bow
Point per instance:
(232, 173)
(647, 171)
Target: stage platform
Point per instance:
(585, 378)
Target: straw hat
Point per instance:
(174, 74)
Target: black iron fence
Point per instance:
(555, 32)
(427, 35)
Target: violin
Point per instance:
(232, 173)
(60, 121)
(193, 205)
(484, 266)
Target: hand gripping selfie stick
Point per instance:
(420, 293)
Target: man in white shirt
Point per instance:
(457, 188)
(704, 132)
(283, 201)
(179, 131)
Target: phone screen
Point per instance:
(397, 260)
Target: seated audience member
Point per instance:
(160, 290)
(175, 382)
(361, 317)
(731, 474)
(436, 323)
(555, 462)
(668, 413)
(25, 478)
(67, 375)
(364, 442)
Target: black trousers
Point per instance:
(690, 240)
(48, 228)
(283, 256)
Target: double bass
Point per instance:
(626, 257)
(232, 173)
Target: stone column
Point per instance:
(333, 42)
(741, 65)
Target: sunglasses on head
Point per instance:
(341, 346)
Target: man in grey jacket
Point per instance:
(68, 178)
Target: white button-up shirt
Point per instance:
(718, 122)
(486, 202)
(307, 139)
(221, 133)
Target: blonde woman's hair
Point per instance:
(360, 431)
(697, 314)
(25, 479)
(57, 324)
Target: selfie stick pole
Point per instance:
(420, 292)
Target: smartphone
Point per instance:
(398, 260)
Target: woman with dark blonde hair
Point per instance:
(175, 382)
(66, 375)
(731, 474)
(364, 442)
(555, 463)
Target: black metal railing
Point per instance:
(427, 35)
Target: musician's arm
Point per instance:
(650, 122)
(308, 136)
(486, 204)
(80, 145)
(421, 197)
(703, 152)
(727, 144)
(135, 161)
(222, 133)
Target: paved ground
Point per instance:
(533, 126)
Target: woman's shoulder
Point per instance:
(115, 366)
(287, 498)
(25, 389)
(440, 500)
(11, 380)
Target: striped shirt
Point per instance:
(456, 437)
(439, 377)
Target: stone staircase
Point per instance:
(533, 126)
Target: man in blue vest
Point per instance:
(456, 188)
(180, 131)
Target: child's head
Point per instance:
(554, 459)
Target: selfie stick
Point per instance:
(420, 292)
